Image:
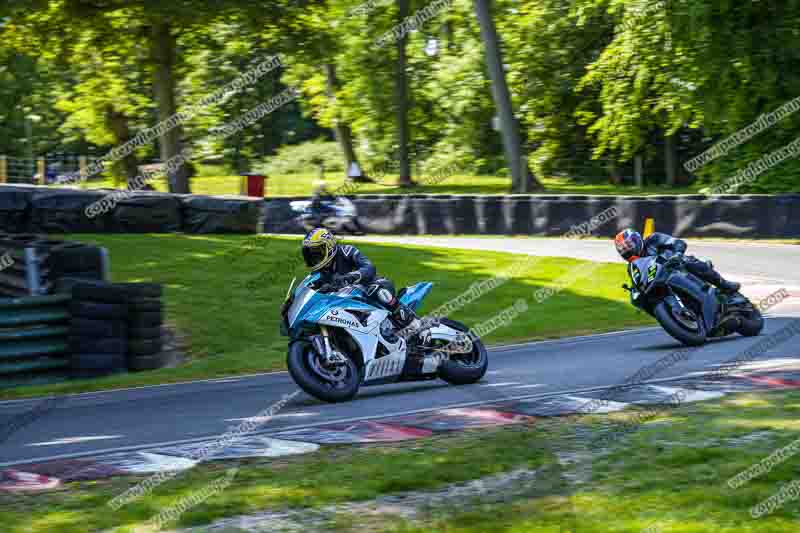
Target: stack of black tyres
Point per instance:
(115, 327)
(98, 337)
(145, 318)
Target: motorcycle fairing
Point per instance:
(309, 307)
(445, 333)
(696, 289)
(386, 368)
(415, 294)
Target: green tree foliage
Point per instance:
(593, 83)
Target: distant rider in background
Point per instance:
(319, 195)
(632, 246)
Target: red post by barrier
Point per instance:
(253, 185)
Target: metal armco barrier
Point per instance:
(33, 264)
(33, 339)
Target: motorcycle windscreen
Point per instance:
(303, 298)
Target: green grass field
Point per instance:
(224, 294)
(301, 185)
(669, 474)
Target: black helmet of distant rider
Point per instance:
(319, 248)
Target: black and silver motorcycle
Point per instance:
(688, 308)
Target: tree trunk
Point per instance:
(341, 130)
(669, 159)
(163, 54)
(638, 170)
(522, 180)
(447, 31)
(401, 101)
(118, 124)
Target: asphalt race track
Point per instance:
(94, 423)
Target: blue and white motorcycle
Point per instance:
(340, 340)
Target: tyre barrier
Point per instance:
(43, 209)
(33, 264)
(732, 216)
(15, 211)
(211, 214)
(34, 334)
(36, 209)
(784, 216)
(490, 215)
(64, 211)
(116, 327)
(147, 212)
(278, 217)
(392, 218)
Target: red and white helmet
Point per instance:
(630, 244)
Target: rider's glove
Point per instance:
(322, 286)
(675, 259)
(351, 278)
(326, 287)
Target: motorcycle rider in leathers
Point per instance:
(345, 264)
(632, 246)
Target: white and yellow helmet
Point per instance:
(319, 248)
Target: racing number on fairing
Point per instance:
(635, 274)
(651, 272)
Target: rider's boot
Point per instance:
(727, 287)
(705, 270)
(406, 320)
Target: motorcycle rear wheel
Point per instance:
(663, 313)
(752, 325)
(304, 365)
(469, 368)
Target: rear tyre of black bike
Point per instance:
(752, 323)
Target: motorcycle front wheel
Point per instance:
(329, 384)
(679, 328)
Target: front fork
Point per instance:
(322, 344)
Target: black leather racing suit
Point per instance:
(667, 245)
(350, 259)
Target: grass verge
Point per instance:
(670, 475)
(333, 475)
(224, 294)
